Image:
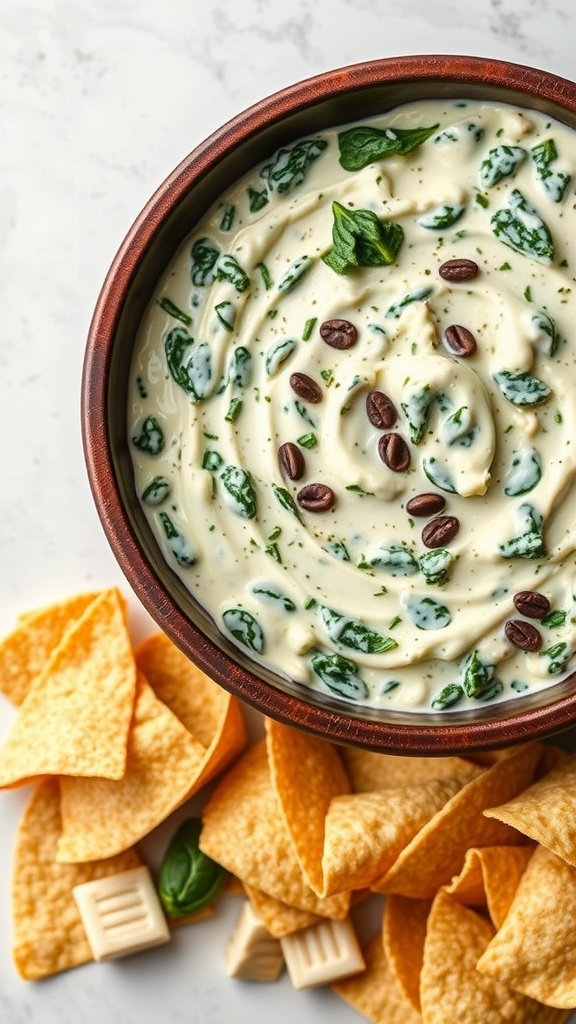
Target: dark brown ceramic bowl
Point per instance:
(329, 99)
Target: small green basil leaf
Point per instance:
(189, 879)
(363, 145)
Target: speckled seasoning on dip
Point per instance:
(352, 408)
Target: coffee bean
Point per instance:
(305, 387)
(427, 504)
(291, 460)
(531, 604)
(394, 452)
(381, 410)
(440, 531)
(316, 497)
(523, 635)
(460, 341)
(458, 270)
(339, 333)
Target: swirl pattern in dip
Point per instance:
(352, 408)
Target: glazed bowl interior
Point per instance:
(328, 100)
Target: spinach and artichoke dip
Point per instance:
(352, 408)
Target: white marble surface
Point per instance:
(99, 102)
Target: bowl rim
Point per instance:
(339, 726)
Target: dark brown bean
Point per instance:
(458, 270)
(381, 410)
(291, 460)
(339, 333)
(427, 504)
(523, 635)
(394, 452)
(460, 341)
(440, 531)
(316, 497)
(305, 387)
(532, 604)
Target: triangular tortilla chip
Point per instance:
(75, 717)
(243, 830)
(369, 771)
(490, 877)
(437, 852)
(546, 811)
(48, 931)
(375, 992)
(102, 817)
(212, 715)
(306, 773)
(404, 934)
(451, 989)
(534, 951)
(279, 918)
(25, 651)
(366, 832)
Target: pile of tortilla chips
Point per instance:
(476, 856)
(477, 859)
(113, 741)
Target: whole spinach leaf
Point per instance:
(364, 145)
(360, 239)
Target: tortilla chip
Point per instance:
(48, 933)
(490, 877)
(451, 989)
(546, 811)
(279, 918)
(366, 832)
(404, 933)
(102, 817)
(369, 771)
(75, 717)
(306, 773)
(534, 951)
(437, 852)
(374, 992)
(244, 831)
(212, 715)
(25, 651)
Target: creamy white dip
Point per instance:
(349, 599)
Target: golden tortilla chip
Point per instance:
(102, 817)
(48, 931)
(212, 715)
(279, 918)
(534, 951)
(243, 830)
(369, 771)
(451, 989)
(75, 718)
(404, 933)
(306, 773)
(25, 651)
(375, 993)
(437, 852)
(366, 832)
(490, 877)
(546, 811)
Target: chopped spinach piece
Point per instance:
(442, 217)
(226, 313)
(558, 656)
(524, 473)
(395, 559)
(277, 354)
(340, 675)
(234, 410)
(228, 269)
(416, 407)
(438, 474)
(150, 439)
(285, 499)
(546, 333)
(520, 227)
(228, 218)
(350, 632)
(190, 366)
(270, 594)
(256, 200)
(521, 388)
(529, 542)
(240, 488)
(448, 696)
(179, 546)
(173, 310)
(204, 256)
(289, 166)
(476, 675)
(397, 308)
(294, 274)
(554, 619)
(500, 162)
(245, 628)
(240, 367)
(425, 612)
(156, 491)
(555, 183)
(434, 566)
